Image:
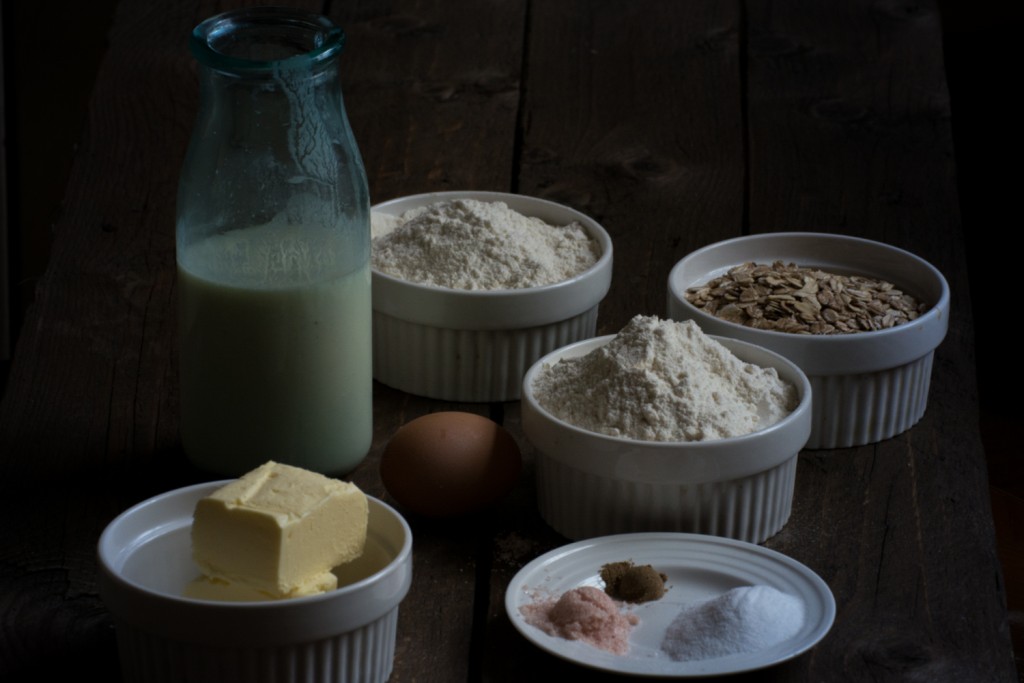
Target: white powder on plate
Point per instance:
(661, 380)
(745, 619)
(474, 245)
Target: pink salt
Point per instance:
(586, 614)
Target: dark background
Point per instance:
(50, 59)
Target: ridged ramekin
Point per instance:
(868, 386)
(590, 484)
(462, 345)
(343, 635)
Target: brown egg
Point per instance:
(451, 463)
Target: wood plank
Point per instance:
(44, 125)
(432, 93)
(648, 141)
(97, 378)
(89, 422)
(636, 123)
(845, 109)
(6, 335)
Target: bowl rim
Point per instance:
(601, 235)
(833, 354)
(694, 461)
(436, 306)
(105, 549)
(307, 617)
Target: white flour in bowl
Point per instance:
(469, 244)
(661, 380)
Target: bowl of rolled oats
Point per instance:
(861, 318)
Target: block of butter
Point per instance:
(276, 533)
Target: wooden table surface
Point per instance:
(674, 124)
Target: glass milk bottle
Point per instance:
(273, 249)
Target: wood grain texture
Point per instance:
(432, 92)
(432, 89)
(846, 108)
(637, 123)
(89, 421)
(649, 143)
(673, 124)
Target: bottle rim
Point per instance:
(289, 38)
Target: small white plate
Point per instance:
(698, 567)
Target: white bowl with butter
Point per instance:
(476, 345)
(145, 558)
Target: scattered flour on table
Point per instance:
(744, 619)
(661, 380)
(474, 245)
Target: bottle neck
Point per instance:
(271, 43)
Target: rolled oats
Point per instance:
(789, 298)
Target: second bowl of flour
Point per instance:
(663, 428)
(470, 288)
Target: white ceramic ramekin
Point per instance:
(461, 345)
(590, 484)
(343, 635)
(868, 386)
